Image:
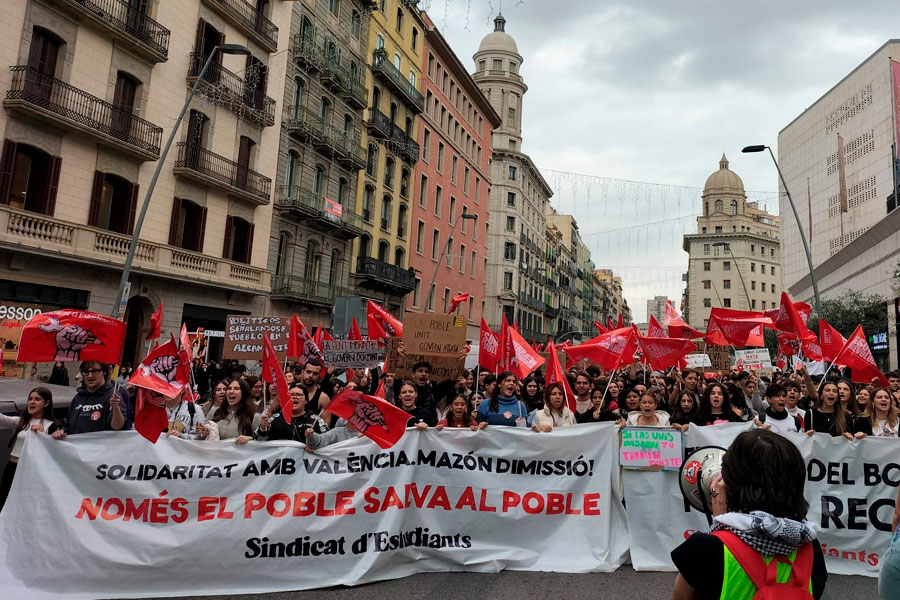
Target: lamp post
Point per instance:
(126, 269)
(812, 272)
(736, 266)
(464, 215)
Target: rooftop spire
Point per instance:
(723, 163)
(499, 23)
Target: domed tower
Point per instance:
(498, 62)
(724, 192)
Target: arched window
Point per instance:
(297, 98)
(371, 160)
(415, 39)
(348, 126)
(355, 24)
(376, 98)
(307, 31)
(313, 266)
(386, 211)
(400, 19)
(734, 207)
(409, 125)
(113, 209)
(319, 181)
(326, 111)
(334, 273)
(354, 71)
(379, 42)
(397, 62)
(412, 79)
(404, 183)
(401, 221)
(188, 224)
(399, 258)
(393, 114)
(342, 191)
(706, 208)
(718, 206)
(42, 59)
(384, 251)
(368, 200)
(365, 245)
(389, 172)
(293, 175)
(281, 258)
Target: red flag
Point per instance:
(301, 344)
(788, 320)
(185, 355)
(609, 324)
(355, 334)
(781, 360)
(737, 328)
(600, 328)
(382, 324)
(515, 326)
(655, 329)
(456, 301)
(273, 373)
(555, 375)
(515, 353)
(620, 321)
(812, 349)
(831, 340)
(318, 336)
(163, 370)
(788, 344)
(379, 391)
(156, 323)
(378, 420)
(663, 353)
(677, 327)
(150, 418)
(857, 355)
(610, 350)
(71, 335)
(326, 336)
(488, 346)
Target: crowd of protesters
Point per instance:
(237, 405)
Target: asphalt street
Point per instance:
(624, 584)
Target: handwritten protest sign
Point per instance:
(560, 355)
(352, 354)
(752, 360)
(443, 366)
(244, 334)
(697, 361)
(434, 334)
(644, 447)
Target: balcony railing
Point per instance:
(346, 146)
(356, 94)
(305, 290)
(498, 73)
(393, 135)
(35, 233)
(305, 125)
(38, 94)
(243, 15)
(312, 205)
(242, 99)
(127, 23)
(381, 65)
(386, 274)
(209, 167)
(306, 50)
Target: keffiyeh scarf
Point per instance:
(766, 534)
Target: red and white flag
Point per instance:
(186, 355)
(788, 318)
(273, 373)
(655, 329)
(555, 374)
(663, 352)
(456, 301)
(857, 355)
(355, 334)
(156, 323)
(378, 420)
(150, 419)
(515, 353)
(677, 326)
(610, 350)
(620, 322)
(600, 328)
(382, 324)
(301, 344)
(70, 335)
(488, 347)
(831, 341)
(739, 328)
(379, 391)
(163, 370)
(812, 349)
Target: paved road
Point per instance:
(624, 584)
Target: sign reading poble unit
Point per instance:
(644, 447)
(434, 334)
(244, 334)
(352, 354)
(752, 360)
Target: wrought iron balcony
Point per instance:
(38, 95)
(382, 274)
(245, 17)
(394, 137)
(198, 163)
(126, 23)
(305, 290)
(334, 73)
(307, 52)
(346, 147)
(312, 206)
(383, 67)
(356, 95)
(241, 98)
(304, 125)
(550, 311)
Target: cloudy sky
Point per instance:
(655, 91)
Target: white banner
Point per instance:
(851, 489)
(109, 515)
(752, 360)
(353, 354)
(697, 361)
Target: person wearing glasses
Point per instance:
(277, 428)
(97, 405)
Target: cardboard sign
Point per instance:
(352, 354)
(244, 334)
(698, 361)
(752, 360)
(651, 447)
(560, 356)
(443, 366)
(434, 334)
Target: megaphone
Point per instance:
(696, 475)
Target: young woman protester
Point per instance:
(684, 412)
(256, 385)
(237, 420)
(648, 415)
(826, 415)
(277, 427)
(555, 412)
(216, 399)
(419, 416)
(503, 407)
(862, 401)
(531, 395)
(459, 416)
(715, 406)
(632, 403)
(599, 410)
(881, 418)
(757, 503)
(36, 418)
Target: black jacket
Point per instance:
(280, 429)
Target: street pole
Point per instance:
(740, 273)
(132, 248)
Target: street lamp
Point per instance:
(464, 215)
(736, 266)
(812, 273)
(126, 269)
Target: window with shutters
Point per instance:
(29, 178)
(113, 203)
(123, 105)
(42, 58)
(238, 240)
(188, 225)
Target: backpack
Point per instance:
(764, 576)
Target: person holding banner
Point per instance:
(632, 401)
(684, 412)
(555, 412)
(277, 428)
(216, 400)
(759, 516)
(582, 389)
(256, 386)
(97, 405)
(420, 417)
(503, 407)
(881, 418)
(36, 418)
(531, 394)
(459, 416)
(237, 420)
(686, 381)
(862, 401)
(599, 411)
(648, 415)
(776, 418)
(715, 406)
(183, 417)
(826, 415)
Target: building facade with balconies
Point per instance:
(516, 274)
(451, 179)
(396, 43)
(90, 89)
(320, 160)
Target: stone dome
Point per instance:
(498, 40)
(724, 178)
